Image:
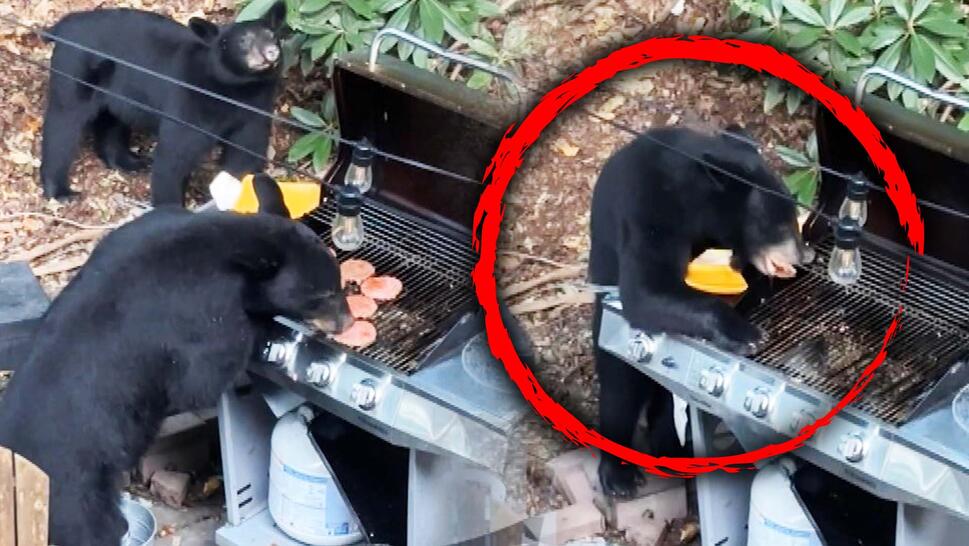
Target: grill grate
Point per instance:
(434, 268)
(823, 335)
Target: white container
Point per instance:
(776, 517)
(304, 501)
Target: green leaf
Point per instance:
(305, 116)
(304, 146)
(398, 20)
(387, 6)
(920, 7)
(776, 9)
(773, 95)
(794, 99)
(944, 62)
(805, 37)
(887, 60)
(835, 9)
(839, 61)
(452, 23)
(487, 9)
(884, 34)
(792, 157)
(901, 7)
(911, 100)
(479, 80)
(361, 7)
(321, 153)
(848, 42)
(755, 34)
(482, 47)
(943, 27)
(803, 184)
(922, 58)
(854, 16)
(306, 64)
(254, 10)
(340, 46)
(321, 45)
(432, 21)
(802, 11)
(964, 123)
(811, 147)
(312, 6)
(329, 105)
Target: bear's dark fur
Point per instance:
(653, 210)
(161, 319)
(240, 61)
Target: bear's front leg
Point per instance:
(180, 149)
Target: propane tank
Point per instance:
(304, 500)
(776, 517)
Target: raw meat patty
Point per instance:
(361, 307)
(382, 288)
(361, 334)
(355, 271)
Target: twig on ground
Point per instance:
(574, 298)
(20, 215)
(534, 258)
(60, 266)
(560, 274)
(43, 250)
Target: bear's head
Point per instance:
(770, 237)
(290, 271)
(244, 51)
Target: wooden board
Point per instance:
(7, 526)
(33, 497)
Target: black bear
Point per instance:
(240, 61)
(161, 319)
(654, 208)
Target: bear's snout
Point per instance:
(271, 53)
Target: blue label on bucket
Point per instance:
(304, 477)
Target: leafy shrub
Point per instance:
(323, 29)
(926, 40)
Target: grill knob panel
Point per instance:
(320, 374)
(712, 381)
(801, 419)
(641, 347)
(757, 402)
(364, 394)
(853, 448)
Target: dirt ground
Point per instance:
(546, 222)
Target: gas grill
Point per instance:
(898, 440)
(426, 409)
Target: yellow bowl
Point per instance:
(720, 279)
(299, 197)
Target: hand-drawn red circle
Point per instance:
(518, 139)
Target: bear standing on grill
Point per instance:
(653, 208)
(240, 61)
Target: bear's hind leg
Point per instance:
(65, 120)
(112, 139)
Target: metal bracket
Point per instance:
(938, 95)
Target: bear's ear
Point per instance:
(204, 30)
(276, 16)
(269, 196)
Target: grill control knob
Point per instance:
(712, 382)
(757, 402)
(282, 352)
(320, 374)
(641, 347)
(364, 394)
(852, 448)
(801, 419)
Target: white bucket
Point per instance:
(776, 517)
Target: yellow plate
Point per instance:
(299, 197)
(717, 279)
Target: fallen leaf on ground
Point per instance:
(565, 148)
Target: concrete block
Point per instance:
(170, 487)
(645, 517)
(567, 524)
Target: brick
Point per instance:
(571, 476)
(570, 523)
(187, 452)
(170, 487)
(644, 515)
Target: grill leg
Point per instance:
(917, 526)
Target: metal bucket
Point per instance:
(141, 524)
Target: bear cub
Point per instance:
(164, 315)
(240, 60)
(654, 208)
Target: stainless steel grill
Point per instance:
(435, 269)
(842, 328)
